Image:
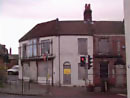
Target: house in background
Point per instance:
(7, 59)
(13, 59)
(3, 54)
(52, 50)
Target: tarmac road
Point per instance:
(87, 96)
(65, 92)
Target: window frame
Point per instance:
(80, 44)
(44, 43)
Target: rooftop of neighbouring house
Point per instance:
(14, 56)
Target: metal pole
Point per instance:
(86, 74)
(22, 79)
(59, 60)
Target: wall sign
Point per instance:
(67, 71)
(67, 68)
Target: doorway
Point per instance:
(67, 73)
(104, 76)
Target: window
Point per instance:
(32, 48)
(24, 53)
(82, 46)
(45, 47)
(103, 46)
(118, 47)
(81, 72)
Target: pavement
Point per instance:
(33, 89)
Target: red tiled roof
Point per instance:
(41, 30)
(56, 28)
(108, 27)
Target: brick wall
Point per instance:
(117, 50)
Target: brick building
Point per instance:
(109, 54)
(3, 54)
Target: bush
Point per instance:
(90, 88)
(3, 75)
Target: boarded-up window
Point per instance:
(26, 70)
(103, 46)
(118, 47)
(81, 72)
(82, 46)
(44, 69)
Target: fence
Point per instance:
(13, 85)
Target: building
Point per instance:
(13, 60)
(53, 50)
(109, 54)
(127, 34)
(61, 45)
(3, 55)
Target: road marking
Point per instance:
(122, 95)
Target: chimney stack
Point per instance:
(87, 13)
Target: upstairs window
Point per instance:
(45, 47)
(32, 48)
(103, 46)
(24, 52)
(118, 47)
(82, 46)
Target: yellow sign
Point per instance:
(67, 71)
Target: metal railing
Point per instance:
(34, 51)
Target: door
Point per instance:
(67, 74)
(120, 75)
(104, 70)
(104, 76)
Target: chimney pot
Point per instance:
(86, 6)
(87, 13)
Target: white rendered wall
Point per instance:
(127, 36)
(55, 52)
(69, 52)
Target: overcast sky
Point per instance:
(17, 17)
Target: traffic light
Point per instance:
(89, 62)
(82, 61)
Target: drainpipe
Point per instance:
(52, 75)
(59, 60)
(22, 77)
(52, 62)
(37, 69)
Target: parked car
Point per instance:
(14, 70)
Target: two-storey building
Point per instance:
(52, 51)
(109, 54)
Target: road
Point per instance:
(87, 96)
(64, 92)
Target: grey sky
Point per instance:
(19, 16)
